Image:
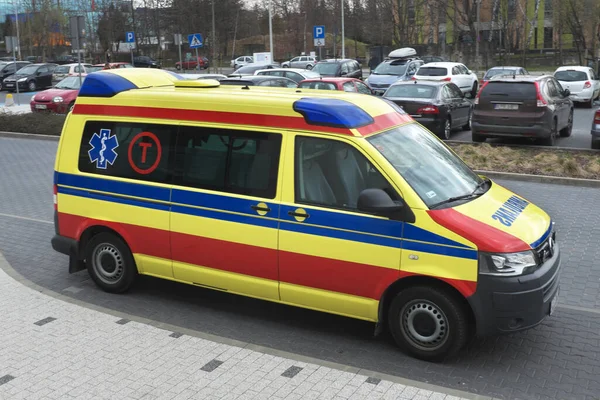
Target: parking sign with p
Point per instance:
(319, 32)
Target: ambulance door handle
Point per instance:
(260, 208)
(296, 214)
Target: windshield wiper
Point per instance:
(473, 194)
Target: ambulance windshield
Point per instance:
(427, 165)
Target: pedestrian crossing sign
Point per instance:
(195, 40)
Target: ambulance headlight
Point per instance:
(507, 264)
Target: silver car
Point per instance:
(302, 62)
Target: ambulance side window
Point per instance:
(140, 151)
(230, 161)
(332, 173)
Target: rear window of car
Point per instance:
(509, 90)
(412, 90)
(61, 70)
(317, 85)
(499, 71)
(432, 71)
(571, 76)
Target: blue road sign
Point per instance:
(319, 32)
(129, 37)
(195, 40)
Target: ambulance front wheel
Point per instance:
(428, 322)
(110, 263)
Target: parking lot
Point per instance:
(559, 359)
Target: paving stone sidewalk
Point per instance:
(52, 349)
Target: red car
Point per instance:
(193, 63)
(60, 98)
(345, 84)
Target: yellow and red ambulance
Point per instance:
(332, 201)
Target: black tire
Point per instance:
(467, 126)
(589, 104)
(476, 137)
(110, 263)
(309, 67)
(428, 323)
(178, 67)
(474, 89)
(567, 130)
(31, 86)
(596, 144)
(549, 141)
(446, 129)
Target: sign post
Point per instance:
(77, 28)
(130, 39)
(178, 43)
(195, 41)
(319, 37)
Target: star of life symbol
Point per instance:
(103, 148)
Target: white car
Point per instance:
(582, 82)
(305, 62)
(456, 73)
(62, 71)
(241, 61)
(295, 74)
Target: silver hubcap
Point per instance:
(424, 324)
(447, 129)
(470, 119)
(108, 263)
(32, 86)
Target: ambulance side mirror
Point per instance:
(377, 201)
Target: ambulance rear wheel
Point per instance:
(429, 323)
(110, 263)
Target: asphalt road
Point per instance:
(560, 359)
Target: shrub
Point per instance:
(39, 123)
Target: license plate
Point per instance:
(40, 106)
(9, 84)
(506, 106)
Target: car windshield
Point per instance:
(61, 69)
(248, 69)
(317, 85)
(499, 71)
(30, 70)
(412, 91)
(92, 69)
(432, 71)
(72, 82)
(391, 68)
(571, 76)
(434, 172)
(326, 68)
(3, 65)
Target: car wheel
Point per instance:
(474, 90)
(595, 144)
(428, 323)
(446, 129)
(476, 137)
(309, 67)
(549, 141)
(566, 131)
(467, 126)
(31, 86)
(589, 104)
(110, 263)
(285, 66)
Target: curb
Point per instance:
(28, 136)
(556, 180)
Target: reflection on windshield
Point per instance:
(433, 171)
(27, 71)
(326, 68)
(71, 82)
(390, 69)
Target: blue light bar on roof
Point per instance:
(332, 112)
(104, 84)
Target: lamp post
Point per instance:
(343, 46)
(17, 24)
(271, 30)
(213, 42)
(477, 38)
(304, 32)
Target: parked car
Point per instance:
(582, 82)
(66, 59)
(62, 71)
(59, 99)
(535, 107)
(303, 62)
(344, 84)
(339, 67)
(430, 59)
(392, 70)
(251, 69)
(218, 77)
(94, 68)
(503, 70)
(295, 74)
(260, 80)
(457, 73)
(241, 61)
(7, 68)
(192, 63)
(596, 131)
(438, 106)
(31, 77)
(145, 62)
(113, 65)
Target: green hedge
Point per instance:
(39, 123)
